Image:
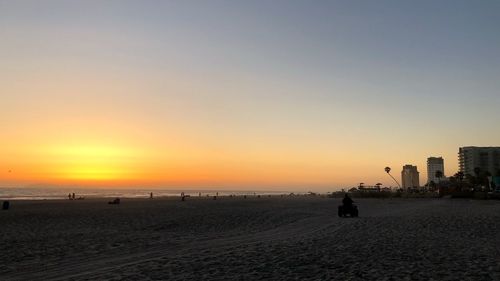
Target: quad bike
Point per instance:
(345, 211)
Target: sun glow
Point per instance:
(92, 163)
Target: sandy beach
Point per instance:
(278, 238)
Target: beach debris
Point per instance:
(5, 205)
(115, 202)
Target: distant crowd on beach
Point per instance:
(214, 196)
(72, 196)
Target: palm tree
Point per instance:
(477, 171)
(438, 175)
(487, 176)
(432, 185)
(460, 177)
(477, 177)
(387, 170)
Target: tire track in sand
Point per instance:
(96, 266)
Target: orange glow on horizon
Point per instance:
(90, 163)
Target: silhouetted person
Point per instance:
(73, 195)
(347, 202)
(5, 205)
(69, 196)
(151, 195)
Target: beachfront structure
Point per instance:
(484, 158)
(410, 177)
(434, 164)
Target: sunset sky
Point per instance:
(278, 95)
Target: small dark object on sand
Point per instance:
(5, 205)
(215, 197)
(115, 202)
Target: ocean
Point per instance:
(30, 193)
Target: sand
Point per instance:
(298, 238)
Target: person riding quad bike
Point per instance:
(347, 207)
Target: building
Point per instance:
(434, 164)
(484, 158)
(410, 177)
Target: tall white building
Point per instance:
(434, 164)
(485, 158)
(410, 177)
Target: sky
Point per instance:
(277, 95)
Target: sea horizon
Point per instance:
(56, 193)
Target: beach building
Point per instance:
(434, 164)
(485, 158)
(410, 177)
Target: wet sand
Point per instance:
(278, 238)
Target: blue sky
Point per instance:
(408, 79)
